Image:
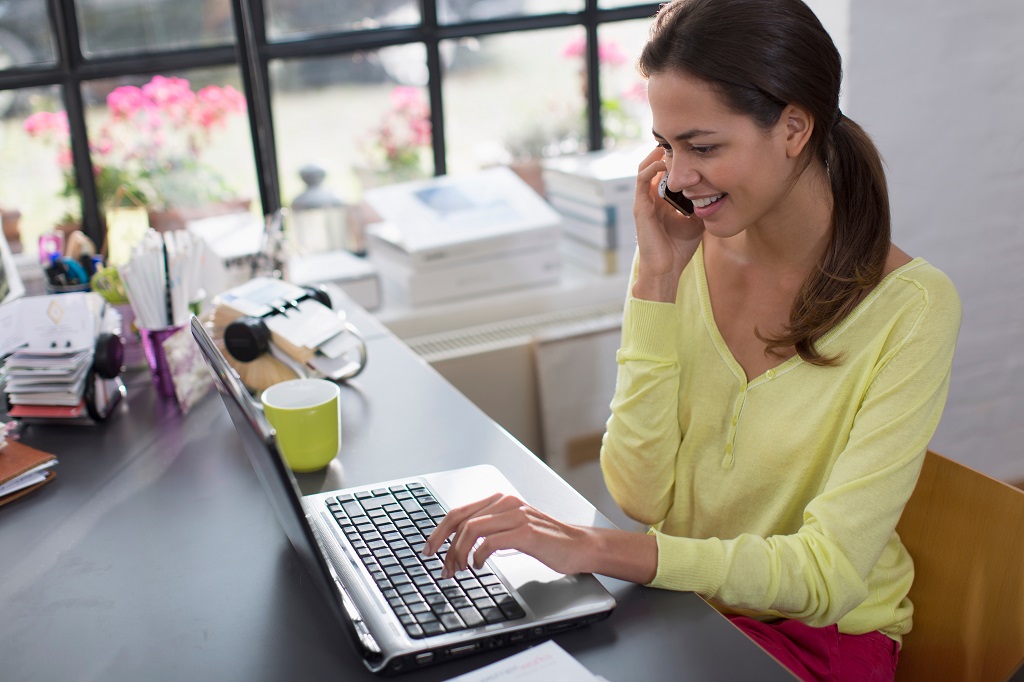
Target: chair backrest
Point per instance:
(965, 532)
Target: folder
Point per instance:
(23, 469)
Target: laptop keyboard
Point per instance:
(387, 527)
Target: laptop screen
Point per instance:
(275, 477)
(11, 286)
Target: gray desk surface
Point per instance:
(154, 554)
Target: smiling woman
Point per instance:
(783, 365)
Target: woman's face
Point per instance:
(736, 173)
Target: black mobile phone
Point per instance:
(675, 199)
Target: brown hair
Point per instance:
(762, 55)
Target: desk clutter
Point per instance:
(68, 263)
(270, 331)
(64, 357)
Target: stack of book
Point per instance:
(593, 192)
(52, 344)
(454, 237)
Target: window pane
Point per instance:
(520, 99)
(347, 116)
(123, 26)
(612, 4)
(625, 114)
(25, 38)
(295, 18)
(177, 141)
(457, 11)
(35, 160)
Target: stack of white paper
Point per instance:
(56, 378)
(460, 236)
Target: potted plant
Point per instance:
(148, 149)
(397, 148)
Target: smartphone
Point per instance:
(675, 199)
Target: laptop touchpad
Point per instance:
(547, 592)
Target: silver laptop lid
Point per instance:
(280, 487)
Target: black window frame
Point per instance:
(252, 53)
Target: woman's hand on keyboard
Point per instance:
(501, 521)
(505, 522)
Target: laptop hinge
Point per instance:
(371, 650)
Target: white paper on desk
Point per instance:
(542, 663)
(307, 326)
(59, 323)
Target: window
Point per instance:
(371, 90)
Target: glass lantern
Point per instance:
(320, 221)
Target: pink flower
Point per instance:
(611, 53)
(636, 93)
(214, 105)
(169, 92)
(64, 159)
(575, 48)
(421, 130)
(102, 147)
(406, 97)
(608, 52)
(46, 124)
(126, 101)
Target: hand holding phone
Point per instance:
(675, 199)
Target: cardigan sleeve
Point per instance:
(641, 441)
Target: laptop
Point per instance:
(361, 546)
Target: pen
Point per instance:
(167, 286)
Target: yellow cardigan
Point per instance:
(779, 497)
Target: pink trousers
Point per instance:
(819, 654)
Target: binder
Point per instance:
(23, 469)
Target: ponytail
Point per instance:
(855, 257)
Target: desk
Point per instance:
(154, 554)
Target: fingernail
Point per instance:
(446, 573)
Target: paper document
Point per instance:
(542, 663)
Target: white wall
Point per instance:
(940, 87)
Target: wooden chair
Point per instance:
(965, 532)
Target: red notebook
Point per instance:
(17, 461)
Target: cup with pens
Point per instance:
(159, 280)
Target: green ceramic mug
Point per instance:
(306, 416)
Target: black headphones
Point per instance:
(108, 356)
(248, 337)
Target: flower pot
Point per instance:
(11, 219)
(177, 218)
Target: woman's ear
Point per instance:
(799, 126)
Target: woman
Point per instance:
(783, 365)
